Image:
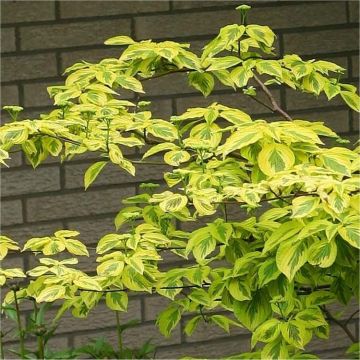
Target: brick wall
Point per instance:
(39, 39)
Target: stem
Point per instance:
(276, 106)
(21, 332)
(40, 338)
(166, 73)
(119, 336)
(339, 323)
(351, 316)
(225, 212)
(107, 134)
(2, 356)
(40, 342)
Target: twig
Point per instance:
(276, 106)
(20, 329)
(261, 103)
(339, 323)
(164, 74)
(351, 316)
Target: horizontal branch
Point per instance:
(153, 289)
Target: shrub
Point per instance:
(264, 212)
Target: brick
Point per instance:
(161, 109)
(26, 181)
(320, 42)
(170, 26)
(11, 212)
(72, 35)
(24, 11)
(13, 260)
(9, 95)
(300, 15)
(81, 204)
(8, 325)
(331, 353)
(185, 5)
(208, 349)
(28, 67)
(153, 305)
(93, 229)
(344, 311)
(25, 232)
(169, 259)
(296, 100)
(36, 94)
(112, 174)
(7, 40)
(336, 120)
(354, 11)
(15, 160)
(138, 336)
(337, 335)
(99, 317)
(97, 8)
(169, 85)
(355, 66)
(206, 22)
(133, 337)
(69, 58)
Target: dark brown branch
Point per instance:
(339, 323)
(165, 73)
(60, 138)
(261, 103)
(152, 289)
(351, 316)
(276, 106)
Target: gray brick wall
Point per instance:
(39, 39)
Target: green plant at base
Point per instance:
(281, 266)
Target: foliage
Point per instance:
(279, 233)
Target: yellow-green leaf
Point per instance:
(168, 319)
(203, 82)
(119, 40)
(239, 289)
(266, 332)
(291, 256)
(51, 293)
(322, 253)
(352, 99)
(174, 202)
(304, 205)
(239, 139)
(129, 82)
(176, 157)
(294, 333)
(117, 301)
(351, 234)
(87, 283)
(76, 247)
(274, 158)
(92, 172)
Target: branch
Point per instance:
(276, 106)
(153, 289)
(165, 73)
(339, 323)
(351, 316)
(261, 103)
(60, 138)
